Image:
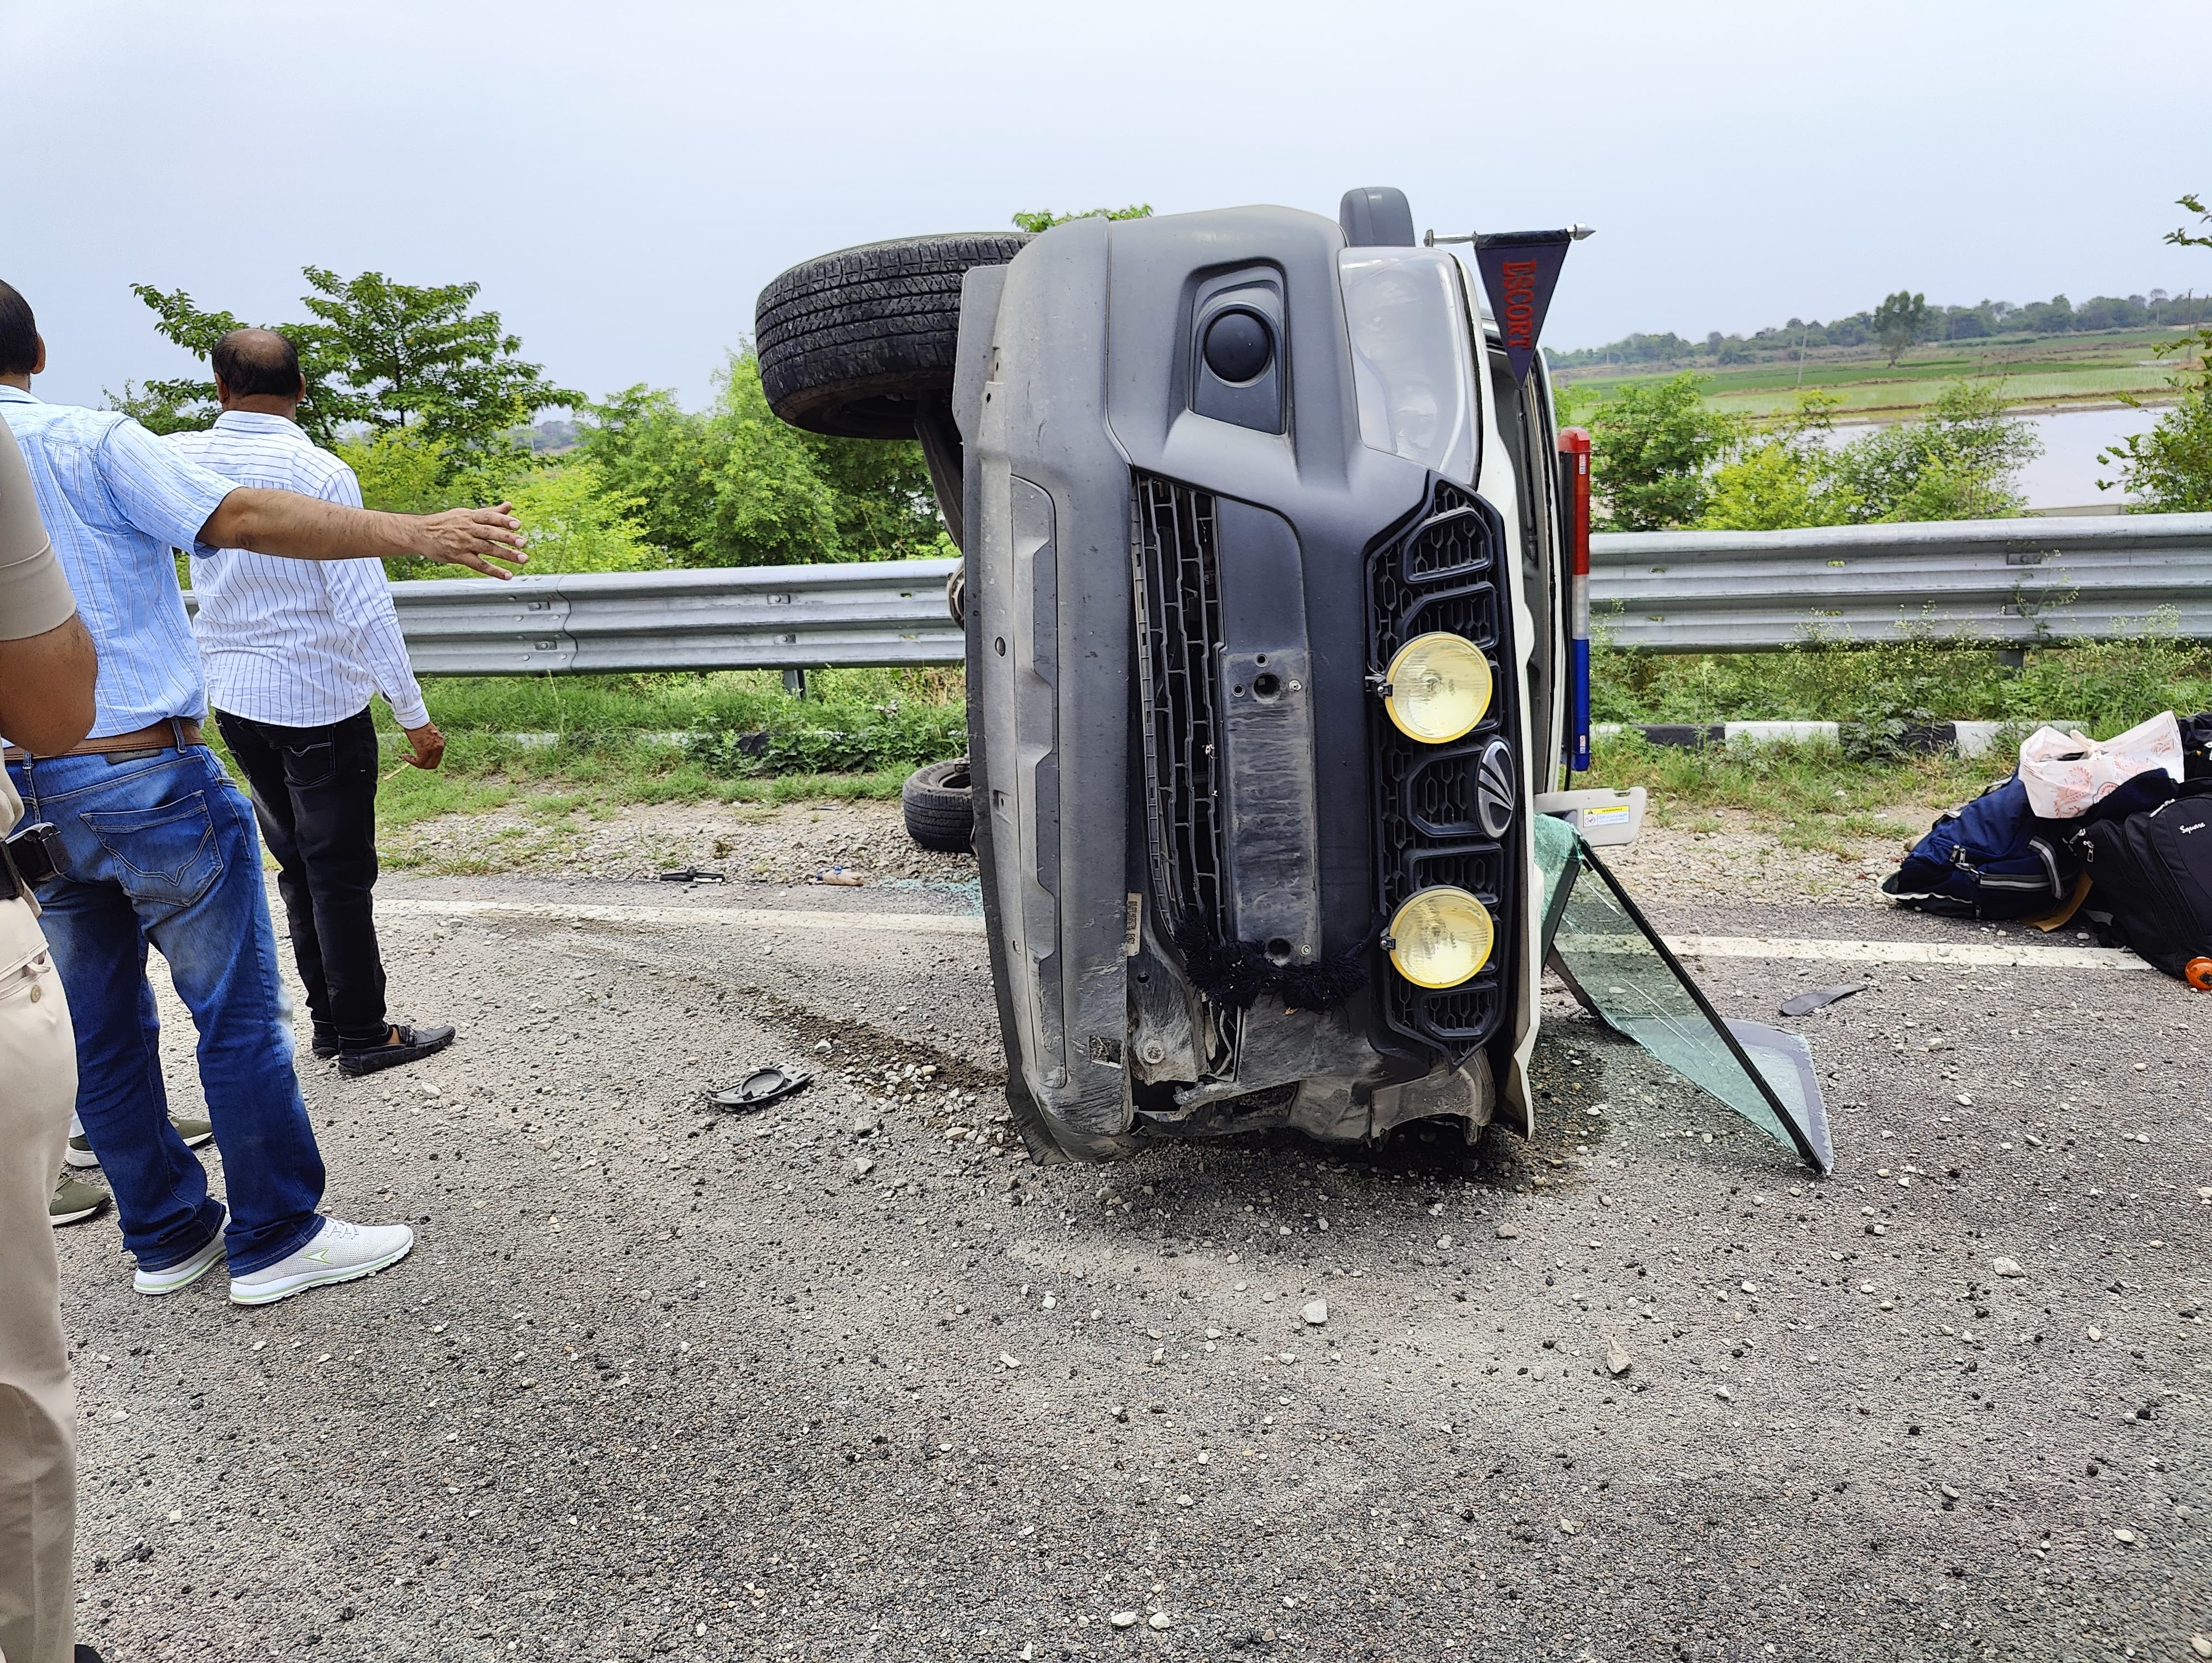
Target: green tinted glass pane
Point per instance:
(1624, 976)
(1555, 843)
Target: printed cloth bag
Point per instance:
(2066, 775)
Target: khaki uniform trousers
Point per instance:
(38, 1406)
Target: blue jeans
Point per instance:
(162, 849)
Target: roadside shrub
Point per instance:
(1960, 461)
(1885, 686)
(733, 486)
(814, 738)
(1653, 450)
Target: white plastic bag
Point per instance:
(2066, 775)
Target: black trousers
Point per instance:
(314, 793)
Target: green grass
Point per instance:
(2034, 370)
(1823, 796)
(1919, 677)
(611, 747)
(743, 700)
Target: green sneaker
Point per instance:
(74, 1202)
(194, 1132)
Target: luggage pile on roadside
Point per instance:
(2115, 836)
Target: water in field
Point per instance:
(2065, 476)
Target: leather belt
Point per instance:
(173, 731)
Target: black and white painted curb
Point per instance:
(1967, 738)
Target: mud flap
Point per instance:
(1611, 959)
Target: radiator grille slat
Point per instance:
(1179, 617)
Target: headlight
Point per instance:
(1439, 687)
(1441, 937)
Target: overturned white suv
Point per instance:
(1271, 648)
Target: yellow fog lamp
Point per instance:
(1441, 937)
(1437, 688)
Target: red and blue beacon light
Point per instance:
(1575, 501)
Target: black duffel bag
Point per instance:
(2152, 872)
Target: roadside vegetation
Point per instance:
(2170, 467)
(1664, 458)
(732, 737)
(1918, 678)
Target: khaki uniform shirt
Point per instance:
(34, 596)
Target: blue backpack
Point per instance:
(1994, 858)
(1991, 859)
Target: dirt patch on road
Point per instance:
(1726, 853)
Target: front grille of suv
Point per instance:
(1441, 571)
(1178, 584)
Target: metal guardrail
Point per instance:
(764, 618)
(2013, 582)
(2009, 580)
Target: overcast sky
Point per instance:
(621, 179)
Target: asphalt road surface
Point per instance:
(848, 1377)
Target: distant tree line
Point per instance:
(2055, 316)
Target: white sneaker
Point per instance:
(170, 1277)
(338, 1252)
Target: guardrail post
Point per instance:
(794, 682)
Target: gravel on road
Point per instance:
(848, 1377)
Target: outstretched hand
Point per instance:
(473, 537)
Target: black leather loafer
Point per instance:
(406, 1045)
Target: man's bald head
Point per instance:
(257, 363)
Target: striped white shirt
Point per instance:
(298, 643)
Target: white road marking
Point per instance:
(748, 918)
(2024, 957)
(1817, 949)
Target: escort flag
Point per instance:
(1519, 270)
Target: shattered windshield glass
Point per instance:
(1615, 961)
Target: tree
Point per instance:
(1044, 219)
(1654, 446)
(1961, 461)
(380, 357)
(733, 486)
(1899, 320)
(2170, 467)
(1789, 478)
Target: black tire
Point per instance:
(848, 341)
(940, 813)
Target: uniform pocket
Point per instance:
(29, 980)
(169, 852)
(309, 766)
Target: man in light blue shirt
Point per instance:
(161, 847)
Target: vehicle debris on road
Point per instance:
(761, 1086)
